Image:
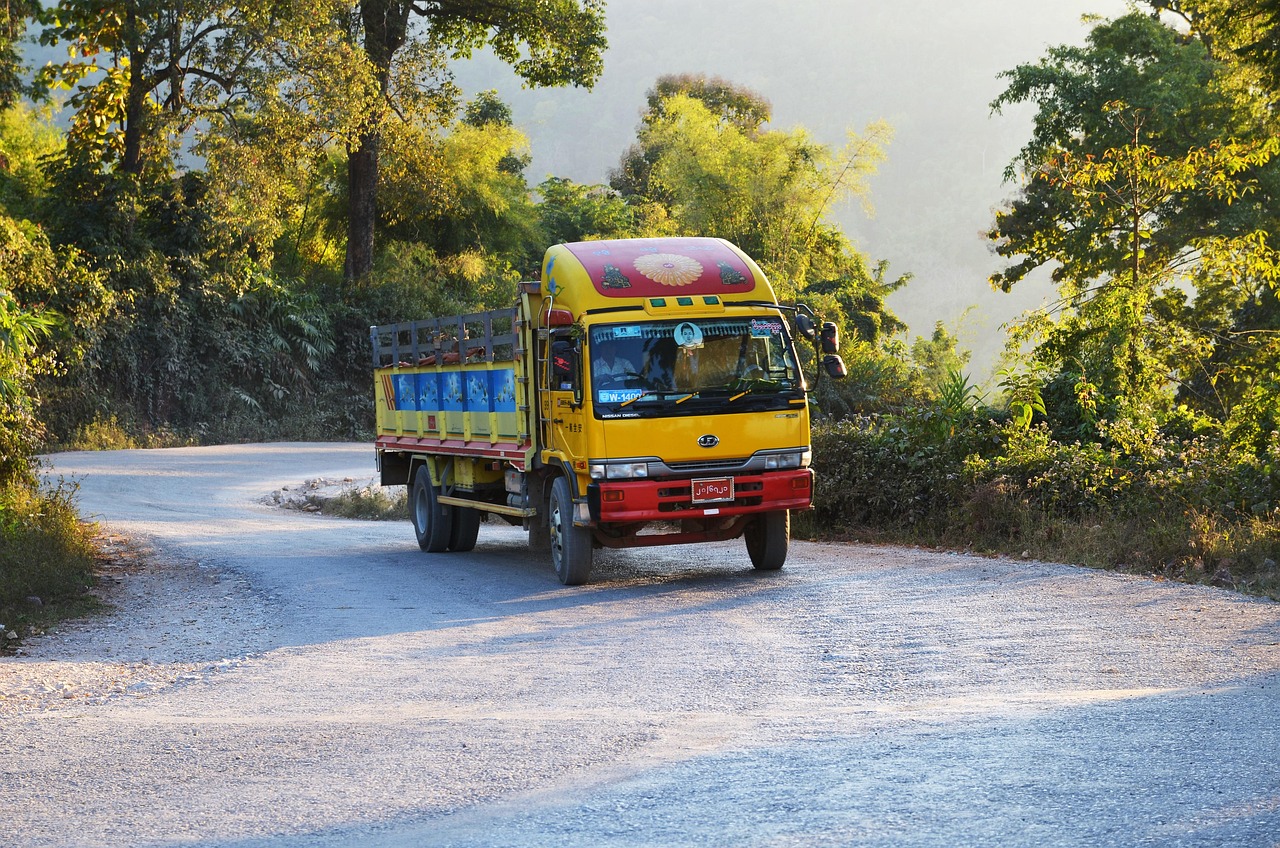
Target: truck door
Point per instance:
(563, 407)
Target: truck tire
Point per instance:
(432, 520)
(570, 545)
(767, 539)
(466, 528)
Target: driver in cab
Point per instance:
(609, 364)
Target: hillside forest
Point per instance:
(242, 189)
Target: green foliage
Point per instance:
(143, 72)
(1152, 171)
(880, 380)
(370, 503)
(766, 191)
(1023, 395)
(29, 269)
(571, 212)
(730, 102)
(461, 194)
(44, 549)
(26, 137)
(547, 44)
(937, 357)
(895, 471)
(1192, 507)
(1243, 31)
(13, 25)
(703, 164)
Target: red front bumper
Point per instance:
(628, 501)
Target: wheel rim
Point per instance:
(557, 537)
(420, 509)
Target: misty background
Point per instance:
(927, 67)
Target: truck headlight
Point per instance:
(618, 470)
(791, 459)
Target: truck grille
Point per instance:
(701, 465)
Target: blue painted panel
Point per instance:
(504, 390)
(478, 391)
(428, 392)
(451, 396)
(406, 392)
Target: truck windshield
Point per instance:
(693, 367)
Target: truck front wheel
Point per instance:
(767, 539)
(570, 545)
(432, 520)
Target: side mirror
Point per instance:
(804, 326)
(834, 366)
(830, 338)
(563, 365)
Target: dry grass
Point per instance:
(371, 503)
(47, 559)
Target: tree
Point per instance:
(463, 191)
(570, 211)
(1132, 70)
(548, 42)
(1145, 170)
(145, 69)
(1263, 48)
(705, 164)
(29, 264)
(735, 104)
(1243, 30)
(769, 192)
(938, 357)
(13, 24)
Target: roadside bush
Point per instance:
(1059, 480)
(1189, 507)
(891, 471)
(371, 503)
(44, 549)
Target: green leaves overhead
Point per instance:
(1150, 189)
(546, 42)
(142, 72)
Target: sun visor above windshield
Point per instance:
(667, 267)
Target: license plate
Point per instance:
(713, 490)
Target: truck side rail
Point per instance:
(477, 337)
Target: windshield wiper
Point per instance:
(645, 394)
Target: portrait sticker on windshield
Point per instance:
(765, 327)
(688, 335)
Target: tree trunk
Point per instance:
(135, 104)
(362, 209)
(385, 29)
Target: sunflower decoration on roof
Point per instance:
(670, 269)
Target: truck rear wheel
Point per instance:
(466, 528)
(432, 520)
(767, 539)
(570, 545)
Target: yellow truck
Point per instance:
(641, 392)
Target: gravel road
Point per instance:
(275, 678)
